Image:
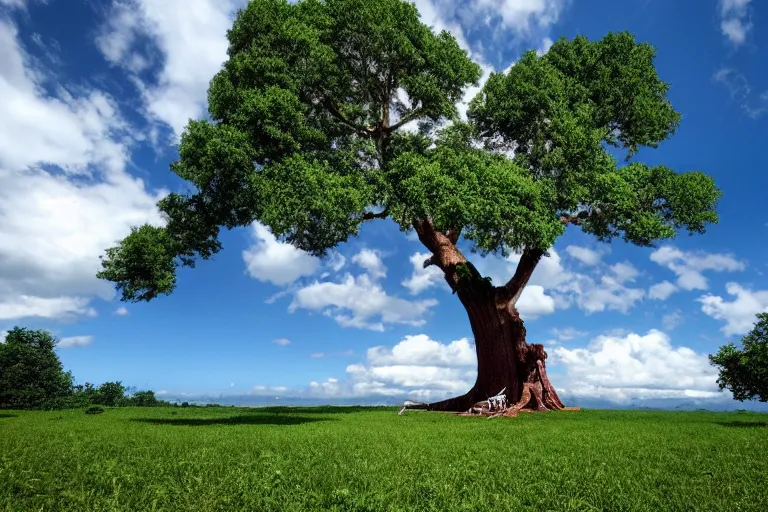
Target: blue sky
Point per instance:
(92, 95)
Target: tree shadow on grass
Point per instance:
(241, 419)
(7, 415)
(744, 424)
(322, 409)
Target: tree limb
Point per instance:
(371, 215)
(528, 261)
(453, 234)
(331, 106)
(407, 118)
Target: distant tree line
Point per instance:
(32, 377)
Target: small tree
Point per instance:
(307, 137)
(111, 394)
(745, 372)
(144, 399)
(31, 374)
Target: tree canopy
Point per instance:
(31, 374)
(745, 372)
(330, 113)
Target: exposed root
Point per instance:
(537, 394)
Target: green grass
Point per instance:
(358, 459)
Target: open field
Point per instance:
(370, 459)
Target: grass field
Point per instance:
(370, 459)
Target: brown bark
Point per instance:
(504, 359)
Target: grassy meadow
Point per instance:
(370, 459)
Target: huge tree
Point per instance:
(745, 371)
(31, 374)
(332, 113)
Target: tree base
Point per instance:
(536, 394)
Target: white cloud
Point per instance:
(122, 311)
(422, 278)
(192, 42)
(672, 320)
(689, 265)
(13, 3)
(360, 302)
(662, 290)
(735, 23)
(48, 261)
(283, 342)
(276, 262)
(25, 306)
(583, 254)
(546, 44)
(75, 341)
(268, 390)
(624, 272)
(621, 368)
(370, 260)
(552, 281)
(417, 367)
(523, 16)
(567, 334)
(3, 334)
(738, 314)
(317, 355)
(753, 104)
(421, 350)
(534, 302)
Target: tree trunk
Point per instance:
(504, 359)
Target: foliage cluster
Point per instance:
(311, 131)
(745, 371)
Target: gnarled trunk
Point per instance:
(504, 359)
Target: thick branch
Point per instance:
(445, 255)
(453, 234)
(371, 215)
(336, 113)
(528, 261)
(408, 117)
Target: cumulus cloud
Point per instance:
(276, 262)
(734, 20)
(552, 286)
(283, 342)
(195, 34)
(75, 341)
(62, 167)
(358, 301)
(689, 266)
(617, 366)
(417, 367)
(422, 278)
(662, 290)
(621, 368)
(370, 260)
(738, 314)
(583, 254)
